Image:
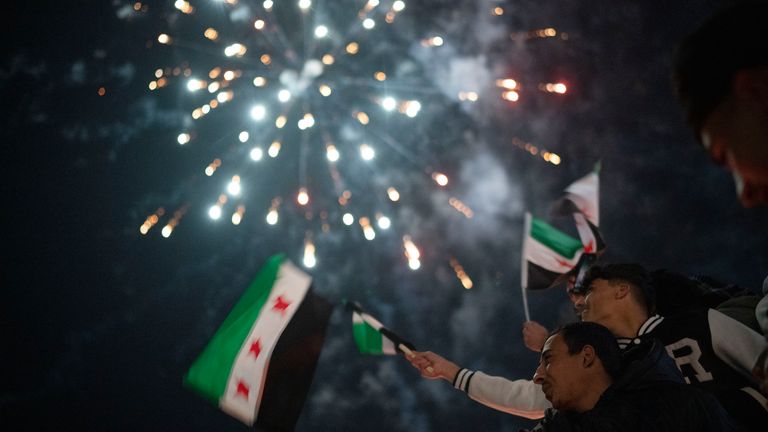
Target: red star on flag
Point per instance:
(255, 348)
(280, 305)
(589, 247)
(563, 263)
(242, 389)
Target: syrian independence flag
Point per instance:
(548, 254)
(259, 365)
(371, 337)
(582, 201)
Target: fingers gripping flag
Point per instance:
(371, 337)
(259, 365)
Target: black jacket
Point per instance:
(649, 395)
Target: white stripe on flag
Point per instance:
(387, 346)
(584, 193)
(545, 257)
(291, 286)
(373, 322)
(524, 265)
(585, 232)
(357, 318)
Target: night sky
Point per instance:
(99, 322)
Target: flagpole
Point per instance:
(524, 268)
(406, 350)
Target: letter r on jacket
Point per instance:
(686, 351)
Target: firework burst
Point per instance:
(307, 114)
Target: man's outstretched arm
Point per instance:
(523, 398)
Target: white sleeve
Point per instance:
(736, 344)
(522, 398)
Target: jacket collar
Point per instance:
(646, 328)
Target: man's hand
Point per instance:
(440, 367)
(534, 335)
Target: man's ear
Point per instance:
(588, 356)
(751, 86)
(622, 290)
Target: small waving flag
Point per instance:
(259, 365)
(549, 255)
(582, 200)
(371, 337)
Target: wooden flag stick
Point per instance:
(406, 350)
(524, 267)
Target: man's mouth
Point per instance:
(545, 387)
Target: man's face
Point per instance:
(598, 301)
(576, 297)
(560, 374)
(736, 136)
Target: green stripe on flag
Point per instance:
(367, 338)
(209, 373)
(555, 239)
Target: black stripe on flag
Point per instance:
(292, 365)
(540, 278)
(600, 246)
(396, 340)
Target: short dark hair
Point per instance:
(580, 334)
(706, 60)
(634, 274)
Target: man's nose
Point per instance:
(750, 194)
(716, 149)
(718, 155)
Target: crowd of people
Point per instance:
(657, 350)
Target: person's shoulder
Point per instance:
(696, 406)
(616, 415)
(682, 407)
(685, 318)
(654, 392)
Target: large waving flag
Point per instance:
(259, 365)
(371, 337)
(582, 200)
(548, 256)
